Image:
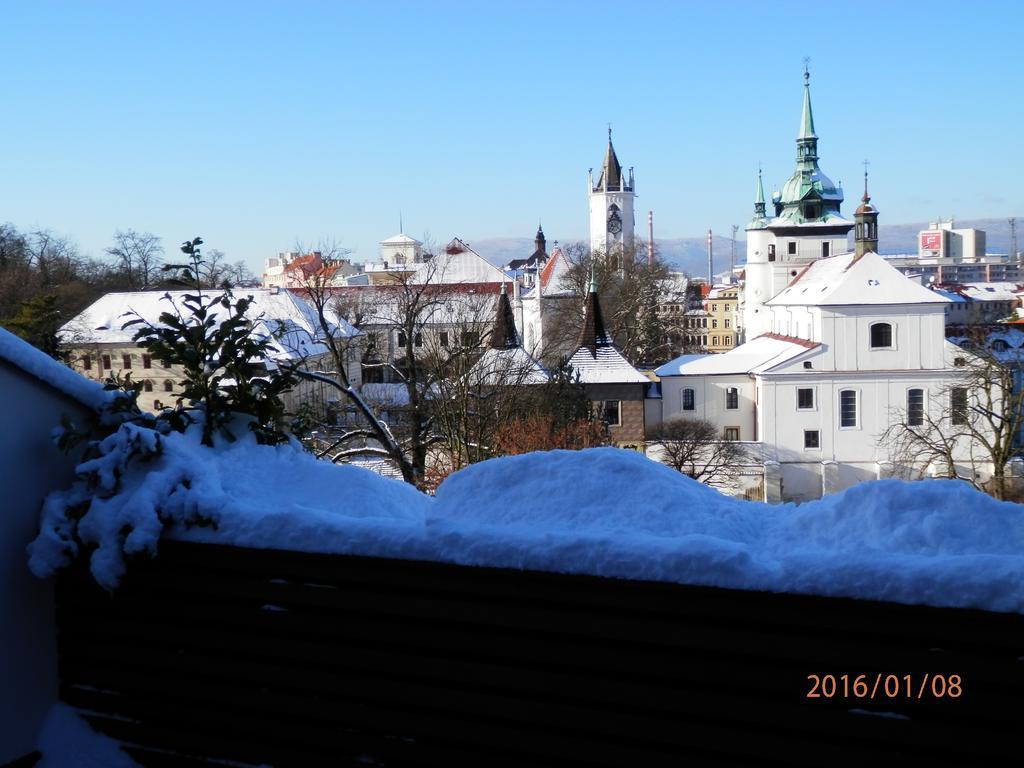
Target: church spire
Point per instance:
(611, 171)
(593, 333)
(809, 197)
(760, 220)
(806, 115)
(540, 242)
(503, 334)
(865, 218)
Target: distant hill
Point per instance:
(689, 254)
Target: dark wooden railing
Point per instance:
(214, 653)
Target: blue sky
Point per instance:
(260, 124)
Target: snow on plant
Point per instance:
(131, 483)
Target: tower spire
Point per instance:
(806, 114)
(865, 218)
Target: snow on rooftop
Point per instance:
(38, 364)
(271, 311)
(848, 280)
(512, 366)
(759, 354)
(607, 366)
(603, 511)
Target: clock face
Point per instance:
(614, 224)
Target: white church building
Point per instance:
(837, 345)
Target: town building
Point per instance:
(721, 307)
(99, 346)
(837, 346)
(616, 389)
(947, 254)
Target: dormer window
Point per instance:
(881, 336)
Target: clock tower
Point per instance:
(611, 206)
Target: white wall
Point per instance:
(710, 401)
(32, 467)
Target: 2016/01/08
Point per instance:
(887, 686)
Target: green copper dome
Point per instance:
(809, 197)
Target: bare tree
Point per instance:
(137, 256)
(319, 292)
(634, 294)
(969, 428)
(695, 448)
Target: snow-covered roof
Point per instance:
(989, 291)
(552, 276)
(847, 279)
(605, 365)
(401, 239)
(36, 363)
(509, 366)
(393, 394)
(457, 263)
(290, 321)
(756, 356)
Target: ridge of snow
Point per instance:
(38, 364)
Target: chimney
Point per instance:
(650, 238)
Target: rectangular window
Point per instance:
(771, 252)
(805, 398)
(610, 413)
(444, 338)
(418, 340)
(732, 399)
(714, 323)
(848, 408)
(732, 434)
(726, 323)
(728, 341)
(958, 405)
(688, 400)
(824, 250)
(86, 363)
(147, 361)
(470, 338)
(915, 407)
(714, 307)
(714, 341)
(126, 361)
(165, 363)
(792, 248)
(812, 438)
(106, 362)
(401, 338)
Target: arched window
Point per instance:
(168, 385)
(848, 408)
(881, 336)
(732, 398)
(688, 399)
(915, 407)
(147, 386)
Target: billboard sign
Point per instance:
(931, 241)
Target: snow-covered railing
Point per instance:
(268, 657)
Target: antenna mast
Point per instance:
(711, 275)
(732, 254)
(1013, 239)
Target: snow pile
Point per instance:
(66, 741)
(601, 511)
(36, 363)
(242, 492)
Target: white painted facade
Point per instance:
(612, 220)
(820, 340)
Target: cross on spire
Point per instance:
(866, 164)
